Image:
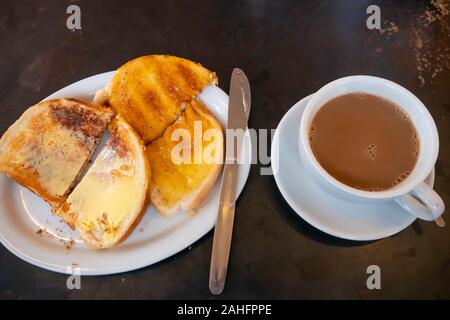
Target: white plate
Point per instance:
(334, 216)
(22, 214)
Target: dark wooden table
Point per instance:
(288, 49)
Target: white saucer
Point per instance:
(339, 218)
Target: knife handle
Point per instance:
(223, 230)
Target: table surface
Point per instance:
(288, 49)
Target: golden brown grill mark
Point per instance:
(188, 77)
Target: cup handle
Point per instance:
(429, 208)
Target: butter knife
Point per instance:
(238, 113)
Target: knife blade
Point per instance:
(238, 112)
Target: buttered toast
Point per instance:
(186, 160)
(48, 147)
(157, 94)
(150, 91)
(147, 103)
(108, 202)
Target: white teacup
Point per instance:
(407, 193)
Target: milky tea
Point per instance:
(364, 141)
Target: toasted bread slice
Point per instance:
(150, 92)
(48, 147)
(182, 186)
(108, 202)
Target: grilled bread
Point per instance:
(150, 92)
(48, 147)
(108, 202)
(183, 186)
